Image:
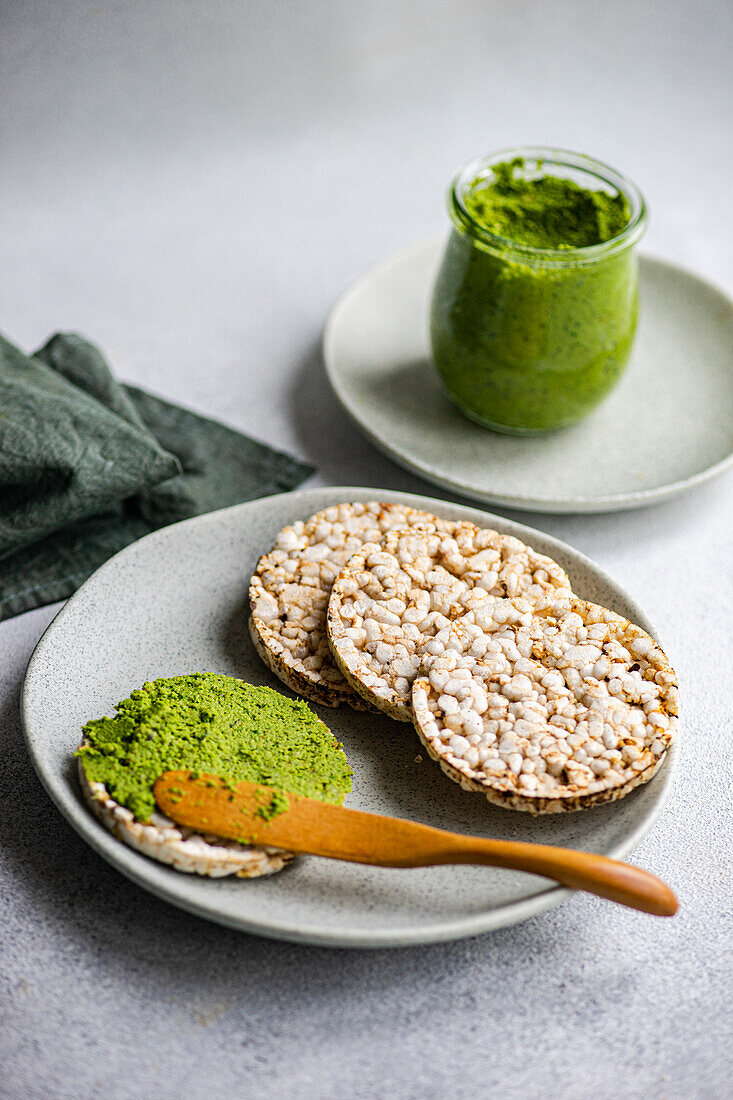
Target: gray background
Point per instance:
(192, 185)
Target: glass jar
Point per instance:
(528, 340)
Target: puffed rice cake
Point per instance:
(546, 707)
(182, 848)
(291, 585)
(393, 596)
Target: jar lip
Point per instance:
(561, 158)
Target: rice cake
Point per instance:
(291, 585)
(546, 707)
(395, 595)
(204, 722)
(185, 850)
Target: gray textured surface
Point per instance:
(144, 202)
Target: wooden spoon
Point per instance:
(255, 814)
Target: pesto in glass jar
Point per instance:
(535, 305)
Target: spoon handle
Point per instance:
(608, 878)
(240, 811)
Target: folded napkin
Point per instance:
(88, 465)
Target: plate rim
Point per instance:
(146, 872)
(611, 502)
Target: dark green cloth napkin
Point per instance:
(88, 465)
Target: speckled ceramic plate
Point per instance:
(176, 602)
(665, 428)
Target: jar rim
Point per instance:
(559, 158)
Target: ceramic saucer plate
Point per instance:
(665, 428)
(176, 602)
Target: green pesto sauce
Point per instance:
(546, 212)
(522, 345)
(214, 724)
(278, 804)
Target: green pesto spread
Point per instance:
(546, 211)
(278, 804)
(215, 724)
(525, 342)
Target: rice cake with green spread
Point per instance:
(291, 585)
(545, 707)
(393, 597)
(214, 724)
